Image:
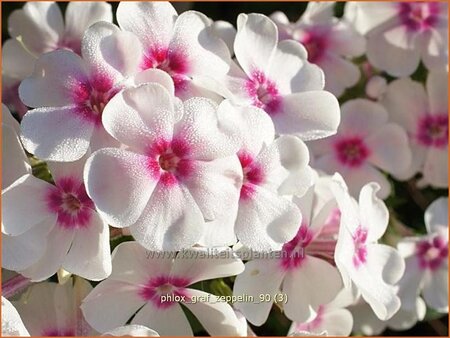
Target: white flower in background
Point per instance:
(184, 46)
(331, 318)
(424, 115)
(273, 170)
(376, 87)
(277, 78)
(39, 28)
(329, 41)
(51, 309)
(366, 322)
(155, 285)
(57, 222)
(133, 331)
(374, 268)
(297, 270)
(179, 171)
(426, 260)
(364, 142)
(401, 34)
(12, 324)
(71, 92)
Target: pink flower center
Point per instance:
(252, 172)
(68, 199)
(293, 252)
(91, 97)
(360, 247)
(315, 42)
(168, 161)
(432, 130)
(351, 151)
(58, 332)
(419, 15)
(165, 291)
(172, 62)
(432, 253)
(263, 92)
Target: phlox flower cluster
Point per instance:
(167, 174)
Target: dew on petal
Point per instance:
(264, 92)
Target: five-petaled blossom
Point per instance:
(39, 28)
(423, 112)
(70, 93)
(298, 269)
(365, 141)
(50, 226)
(180, 169)
(330, 43)
(155, 286)
(372, 267)
(276, 77)
(401, 34)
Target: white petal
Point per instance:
(205, 53)
(24, 205)
(198, 264)
(404, 320)
(12, 324)
(302, 284)
(152, 22)
(365, 321)
(291, 70)
(20, 252)
(391, 150)
(14, 159)
(225, 31)
(58, 244)
(157, 76)
(89, 255)
(79, 16)
(68, 169)
(436, 216)
(317, 12)
(216, 317)
(309, 115)
(56, 134)
(396, 61)
(208, 129)
(109, 52)
(435, 48)
(39, 24)
(267, 220)
(171, 220)
(120, 184)
(132, 330)
(54, 79)
(373, 213)
(346, 41)
(255, 41)
(168, 322)
(339, 73)
(16, 60)
(135, 265)
(435, 290)
(216, 186)
(357, 178)
(435, 170)
(100, 307)
(261, 277)
(437, 93)
(140, 116)
(362, 117)
(372, 281)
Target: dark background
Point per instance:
(228, 11)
